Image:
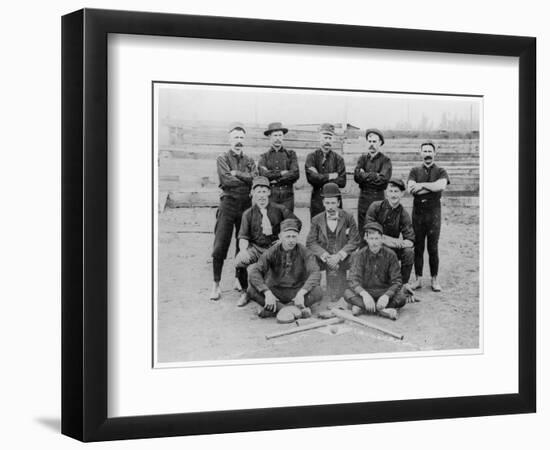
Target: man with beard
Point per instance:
(235, 172)
(426, 183)
(332, 238)
(397, 226)
(324, 166)
(286, 273)
(260, 228)
(374, 277)
(280, 166)
(372, 173)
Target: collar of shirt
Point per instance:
(389, 206)
(376, 155)
(426, 167)
(274, 150)
(335, 217)
(236, 155)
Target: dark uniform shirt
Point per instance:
(377, 172)
(296, 268)
(251, 224)
(272, 162)
(394, 221)
(325, 164)
(423, 174)
(236, 186)
(375, 271)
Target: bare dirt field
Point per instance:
(193, 328)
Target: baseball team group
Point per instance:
(368, 261)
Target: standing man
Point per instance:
(260, 227)
(396, 225)
(324, 166)
(235, 172)
(372, 173)
(285, 273)
(332, 238)
(374, 277)
(280, 166)
(426, 183)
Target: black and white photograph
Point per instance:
(296, 224)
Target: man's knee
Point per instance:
(315, 295)
(398, 300)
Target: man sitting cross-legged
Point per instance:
(286, 273)
(332, 238)
(259, 230)
(375, 278)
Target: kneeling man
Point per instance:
(286, 273)
(260, 226)
(397, 226)
(375, 278)
(332, 238)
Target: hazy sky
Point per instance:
(294, 107)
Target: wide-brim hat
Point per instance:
(375, 226)
(275, 126)
(291, 224)
(330, 190)
(260, 181)
(398, 183)
(375, 131)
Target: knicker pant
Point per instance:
(285, 295)
(396, 301)
(243, 260)
(427, 227)
(336, 279)
(365, 200)
(228, 221)
(283, 195)
(406, 258)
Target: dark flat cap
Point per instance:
(397, 182)
(375, 131)
(236, 126)
(260, 181)
(275, 126)
(330, 190)
(326, 128)
(373, 226)
(291, 224)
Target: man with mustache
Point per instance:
(372, 173)
(280, 166)
(260, 227)
(286, 273)
(397, 226)
(235, 172)
(374, 277)
(324, 166)
(426, 183)
(332, 238)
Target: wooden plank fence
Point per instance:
(188, 178)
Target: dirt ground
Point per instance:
(193, 328)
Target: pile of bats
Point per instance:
(339, 317)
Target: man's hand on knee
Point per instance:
(382, 302)
(270, 301)
(368, 301)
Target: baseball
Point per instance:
(333, 329)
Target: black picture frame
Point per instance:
(84, 224)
